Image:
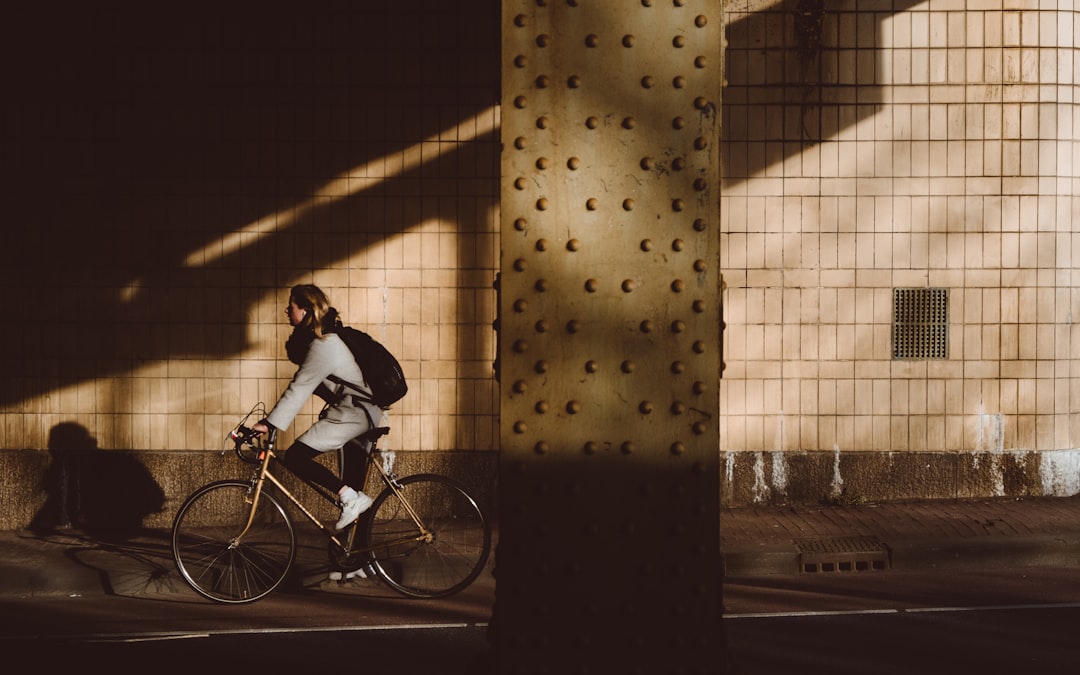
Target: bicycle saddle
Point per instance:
(373, 434)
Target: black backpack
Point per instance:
(381, 370)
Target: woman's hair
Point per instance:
(320, 316)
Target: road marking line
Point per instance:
(910, 610)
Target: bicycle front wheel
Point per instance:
(217, 557)
(442, 559)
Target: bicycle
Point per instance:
(234, 541)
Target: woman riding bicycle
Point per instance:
(320, 353)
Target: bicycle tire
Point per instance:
(454, 556)
(212, 562)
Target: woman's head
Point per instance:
(309, 307)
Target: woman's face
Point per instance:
(295, 314)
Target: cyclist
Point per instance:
(319, 353)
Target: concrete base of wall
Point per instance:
(117, 490)
(772, 478)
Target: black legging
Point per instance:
(300, 459)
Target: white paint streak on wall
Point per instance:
(779, 478)
(837, 488)
(997, 474)
(989, 432)
(760, 491)
(779, 472)
(781, 425)
(729, 467)
(990, 442)
(1059, 472)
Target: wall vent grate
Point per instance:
(920, 326)
(843, 554)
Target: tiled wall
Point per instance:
(905, 144)
(163, 189)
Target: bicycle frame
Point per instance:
(263, 474)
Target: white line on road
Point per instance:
(909, 610)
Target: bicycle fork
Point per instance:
(253, 495)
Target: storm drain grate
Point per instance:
(842, 554)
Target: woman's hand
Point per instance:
(260, 427)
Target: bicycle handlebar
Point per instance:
(244, 437)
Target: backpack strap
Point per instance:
(361, 394)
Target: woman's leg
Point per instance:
(300, 459)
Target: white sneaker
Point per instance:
(351, 510)
(361, 573)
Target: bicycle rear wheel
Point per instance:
(438, 565)
(213, 561)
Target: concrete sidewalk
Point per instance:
(936, 534)
(755, 541)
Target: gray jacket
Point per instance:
(345, 420)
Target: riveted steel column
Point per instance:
(609, 557)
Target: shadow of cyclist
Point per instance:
(105, 494)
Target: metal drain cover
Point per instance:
(842, 554)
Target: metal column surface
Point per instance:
(610, 330)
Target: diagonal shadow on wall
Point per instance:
(131, 141)
(798, 73)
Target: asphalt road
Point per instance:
(986, 621)
(1007, 620)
